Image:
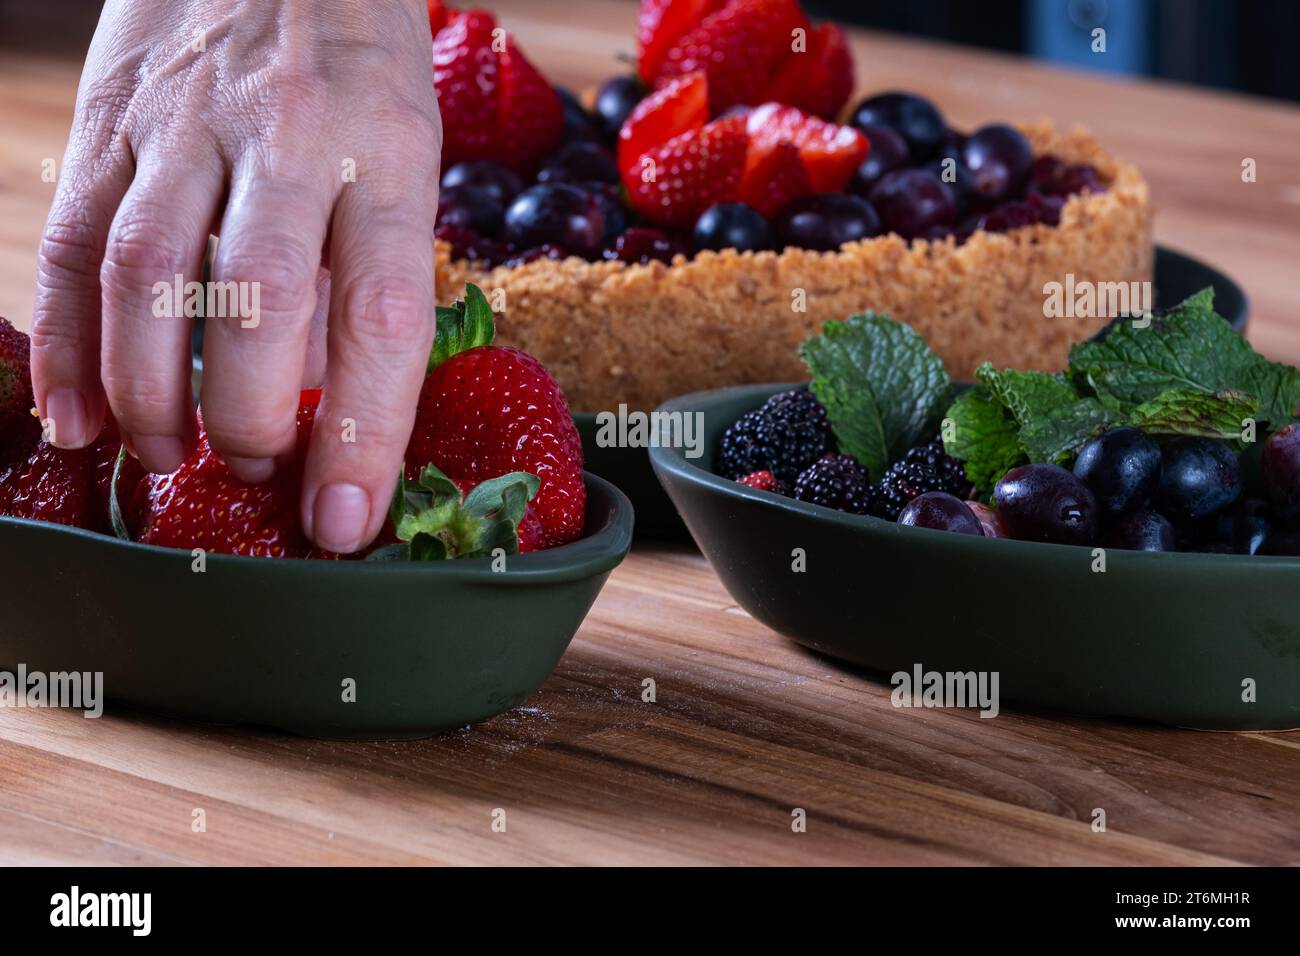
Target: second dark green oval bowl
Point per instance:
(427, 646)
(1175, 638)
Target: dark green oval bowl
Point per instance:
(1177, 277)
(430, 646)
(1165, 637)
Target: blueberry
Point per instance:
(888, 152)
(502, 181)
(732, 225)
(470, 207)
(556, 213)
(942, 512)
(643, 245)
(1000, 160)
(579, 162)
(1122, 467)
(912, 202)
(1244, 527)
(827, 221)
(1142, 531)
(578, 124)
(1044, 502)
(916, 119)
(1200, 477)
(615, 100)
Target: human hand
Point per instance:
(245, 118)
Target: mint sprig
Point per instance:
(1187, 373)
(882, 385)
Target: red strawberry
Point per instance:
(681, 105)
(820, 79)
(437, 15)
(15, 375)
(487, 410)
(740, 46)
(531, 119)
(830, 153)
(202, 505)
(691, 172)
(465, 74)
(494, 103)
(660, 24)
(67, 486)
(773, 179)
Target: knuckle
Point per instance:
(248, 432)
(283, 278)
(142, 249)
(378, 312)
(69, 253)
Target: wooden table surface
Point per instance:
(747, 727)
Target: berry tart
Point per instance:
(690, 225)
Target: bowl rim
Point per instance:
(673, 461)
(597, 552)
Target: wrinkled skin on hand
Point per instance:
(302, 133)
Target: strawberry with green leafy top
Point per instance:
(486, 410)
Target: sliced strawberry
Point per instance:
(531, 117)
(660, 24)
(679, 106)
(691, 172)
(819, 79)
(466, 76)
(773, 179)
(740, 47)
(830, 153)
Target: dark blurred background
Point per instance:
(1252, 46)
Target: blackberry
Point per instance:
(924, 468)
(785, 436)
(839, 482)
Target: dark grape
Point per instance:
(827, 221)
(1043, 502)
(579, 163)
(888, 152)
(470, 207)
(1285, 542)
(1280, 470)
(555, 213)
(1000, 160)
(1122, 468)
(643, 245)
(942, 512)
(732, 225)
(502, 181)
(915, 118)
(1142, 531)
(1200, 477)
(615, 100)
(912, 202)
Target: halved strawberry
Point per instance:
(830, 153)
(773, 179)
(691, 172)
(531, 117)
(740, 47)
(660, 24)
(466, 76)
(437, 15)
(819, 79)
(679, 106)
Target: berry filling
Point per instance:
(722, 140)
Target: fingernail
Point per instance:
(66, 409)
(161, 454)
(340, 516)
(252, 471)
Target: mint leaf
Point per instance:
(979, 430)
(1054, 420)
(1189, 348)
(883, 387)
(1182, 411)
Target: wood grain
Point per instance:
(746, 727)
